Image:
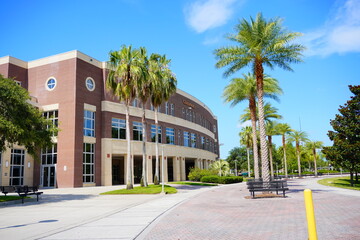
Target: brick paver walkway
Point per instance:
(224, 213)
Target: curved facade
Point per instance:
(91, 146)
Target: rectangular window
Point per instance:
(49, 155)
(17, 167)
(214, 129)
(137, 131)
(202, 142)
(53, 117)
(152, 107)
(186, 139)
(89, 123)
(153, 133)
(170, 136)
(207, 144)
(172, 109)
(193, 140)
(135, 102)
(88, 163)
(118, 128)
(183, 113)
(167, 108)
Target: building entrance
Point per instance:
(118, 170)
(48, 176)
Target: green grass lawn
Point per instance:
(151, 189)
(194, 183)
(341, 182)
(9, 198)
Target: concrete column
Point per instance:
(150, 176)
(106, 163)
(177, 172)
(182, 169)
(198, 163)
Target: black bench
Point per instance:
(22, 191)
(271, 186)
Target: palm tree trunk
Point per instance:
(248, 159)
(271, 157)
(315, 167)
(252, 107)
(298, 158)
(263, 144)
(285, 162)
(156, 178)
(144, 165)
(129, 182)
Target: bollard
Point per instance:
(310, 216)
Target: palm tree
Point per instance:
(143, 94)
(261, 43)
(162, 87)
(283, 129)
(240, 89)
(246, 139)
(271, 130)
(270, 112)
(298, 137)
(221, 166)
(313, 145)
(126, 68)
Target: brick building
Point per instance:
(90, 148)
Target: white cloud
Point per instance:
(341, 34)
(203, 15)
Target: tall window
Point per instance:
(183, 113)
(207, 144)
(88, 163)
(118, 128)
(135, 102)
(193, 140)
(167, 108)
(17, 167)
(89, 123)
(137, 131)
(186, 139)
(49, 155)
(170, 136)
(202, 142)
(53, 116)
(153, 133)
(172, 109)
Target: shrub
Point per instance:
(196, 174)
(210, 179)
(232, 179)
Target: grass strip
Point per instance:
(9, 198)
(340, 182)
(151, 189)
(194, 183)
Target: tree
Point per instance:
(20, 122)
(345, 151)
(283, 129)
(221, 166)
(246, 140)
(260, 43)
(163, 85)
(241, 89)
(312, 146)
(298, 137)
(271, 130)
(126, 69)
(270, 113)
(237, 157)
(143, 92)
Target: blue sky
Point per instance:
(188, 31)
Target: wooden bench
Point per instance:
(22, 191)
(272, 186)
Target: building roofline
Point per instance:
(77, 54)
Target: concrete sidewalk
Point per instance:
(81, 213)
(194, 213)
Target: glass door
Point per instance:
(48, 176)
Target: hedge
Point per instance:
(221, 180)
